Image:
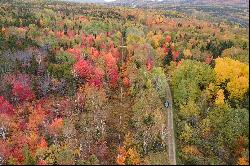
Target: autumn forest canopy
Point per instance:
(94, 84)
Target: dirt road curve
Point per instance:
(171, 138)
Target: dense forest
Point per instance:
(90, 84)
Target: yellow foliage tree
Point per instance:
(129, 140)
(234, 74)
(155, 39)
(187, 133)
(220, 98)
(242, 161)
(135, 39)
(187, 53)
(127, 154)
(191, 150)
(130, 157)
(189, 110)
(133, 157)
(211, 91)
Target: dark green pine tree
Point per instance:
(65, 29)
(169, 57)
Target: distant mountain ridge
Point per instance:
(218, 1)
(144, 2)
(196, 2)
(86, 1)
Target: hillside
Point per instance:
(189, 2)
(105, 84)
(234, 12)
(86, 1)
